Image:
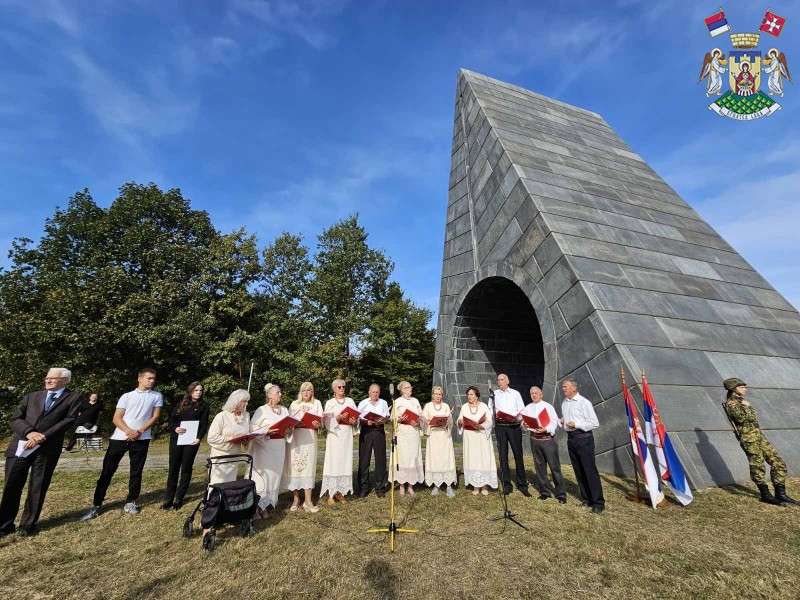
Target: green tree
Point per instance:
(348, 278)
(398, 344)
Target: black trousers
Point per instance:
(511, 436)
(545, 453)
(581, 455)
(41, 466)
(369, 441)
(137, 450)
(181, 463)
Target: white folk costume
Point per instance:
(440, 460)
(337, 471)
(225, 426)
(409, 446)
(300, 464)
(480, 467)
(268, 454)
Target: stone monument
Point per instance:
(566, 255)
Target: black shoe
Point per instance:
(525, 492)
(544, 497)
(598, 509)
(27, 532)
(167, 505)
(562, 500)
(177, 504)
(780, 495)
(766, 497)
(363, 494)
(380, 494)
(509, 491)
(5, 532)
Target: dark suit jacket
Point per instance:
(30, 416)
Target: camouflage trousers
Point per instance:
(758, 450)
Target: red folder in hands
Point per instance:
(350, 413)
(282, 425)
(240, 439)
(308, 420)
(540, 422)
(505, 417)
(472, 425)
(374, 417)
(438, 421)
(408, 417)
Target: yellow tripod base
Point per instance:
(391, 530)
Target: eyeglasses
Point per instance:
(339, 386)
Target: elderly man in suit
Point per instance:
(38, 424)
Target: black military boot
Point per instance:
(766, 497)
(780, 495)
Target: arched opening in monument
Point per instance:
(496, 331)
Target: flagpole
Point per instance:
(638, 498)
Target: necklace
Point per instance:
(277, 412)
(473, 412)
(438, 407)
(340, 403)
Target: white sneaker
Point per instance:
(451, 493)
(435, 491)
(131, 508)
(91, 513)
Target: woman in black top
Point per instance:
(181, 458)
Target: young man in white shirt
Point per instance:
(579, 419)
(508, 401)
(136, 413)
(372, 438)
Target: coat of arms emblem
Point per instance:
(745, 66)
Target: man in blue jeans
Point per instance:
(136, 413)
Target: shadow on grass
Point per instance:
(380, 575)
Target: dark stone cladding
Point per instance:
(566, 255)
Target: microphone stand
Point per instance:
(507, 514)
(394, 461)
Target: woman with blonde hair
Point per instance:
(268, 452)
(300, 465)
(337, 472)
(440, 459)
(231, 422)
(409, 446)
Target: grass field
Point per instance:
(725, 545)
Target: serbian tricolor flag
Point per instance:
(668, 463)
(717, 24)
(772, 24)
(639, 446)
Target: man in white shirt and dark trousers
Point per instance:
(509, 401)
(544, 447)
(372, 438)
(136, 413)
(579, 419)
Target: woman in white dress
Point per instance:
(409, 447)
(440, 460)
(480, 468)
(231, 422)
(300, 465)
(337, 472)
(268, 452)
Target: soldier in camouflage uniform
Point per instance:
(755, 445)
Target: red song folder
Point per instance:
(374, 417)
(282, 425)
(411, 418)
(350, 413)
(308, 420)
(438, 421)
(505, 417)
(239, 439)
(540, 422)
(472, 425)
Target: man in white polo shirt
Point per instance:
(136, 413)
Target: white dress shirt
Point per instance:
(379, 408)
(581, 411)
(534, 409)
(508, 401)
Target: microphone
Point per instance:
(489, 385)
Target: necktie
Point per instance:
(48, 404)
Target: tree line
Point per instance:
(149, 281)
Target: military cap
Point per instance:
(732, 383)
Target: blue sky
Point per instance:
(289, 115)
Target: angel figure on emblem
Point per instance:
(777, 70)
(712, 68)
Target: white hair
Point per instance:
(572, 382)
(236, 397)
(65, 373)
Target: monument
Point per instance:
(566, 255)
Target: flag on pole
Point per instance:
(639, 446)
(772, 24)
(717, 24)
(668, 463)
